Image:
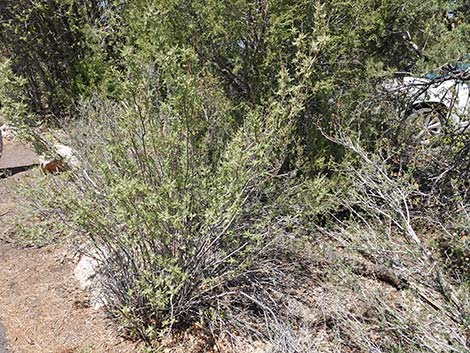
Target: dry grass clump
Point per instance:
(346, 308)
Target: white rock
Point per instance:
(8, 131)
(67, 154)
(65, 159)
(87, 273)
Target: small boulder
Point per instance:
(65, 159)
(8, 132)
(15, 156)
(87, 273)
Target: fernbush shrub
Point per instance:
(186, 208)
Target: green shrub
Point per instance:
(12, 102)
(206, 159)
(45, 42)
(187, 208)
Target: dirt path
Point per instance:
(41, 307)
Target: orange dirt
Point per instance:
(41, 306)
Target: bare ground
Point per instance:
(41, 306)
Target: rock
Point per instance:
(16, 155)
(8, 132)
(87, 273)
(65, 159)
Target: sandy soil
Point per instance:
(41, 306)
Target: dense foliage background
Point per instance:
(222, 141)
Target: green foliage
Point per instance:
(210, 134)
(13, 106)
(44, 41)
(45, 231)
(37, 223)
(456, 256)
(186, 204)
(337, 52)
